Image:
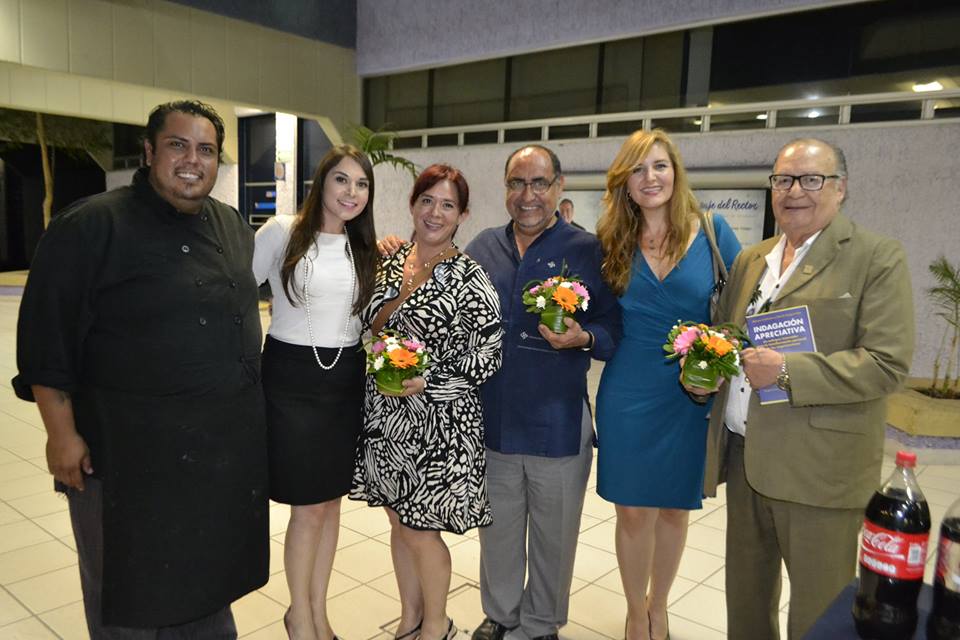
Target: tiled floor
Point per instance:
(40, 588)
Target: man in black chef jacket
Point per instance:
(139, 340)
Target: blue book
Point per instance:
(783, 330)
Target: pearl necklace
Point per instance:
(427, 265)
(346, 323)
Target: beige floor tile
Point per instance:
(465, 558)
(57, 524)
(601, 536)
(31, 485)
(574, 631)
(276, 588)
(612, 582)
(68, 622)
(703, 605)
(592, 563)
(370, 522)
(8, 514)
(350, 537)
(599, 610)
(707, 539)
(361, 612)
(576, 584)
(683, 629)
(931, 480)
(16, 470)
(10, 609)
(28, 629)
(709, 506)
(274, 631)
(69, 541)
(279, 518)
(716, 519)
(48, 591)
(255, 611)
(40, 504)
(28, 562)
(697, 565)
(938, 496)
(276, 556)
(944, 471)
(364, 561)
(21, 534)
(594, 505)
(7, 457)
(588, 522)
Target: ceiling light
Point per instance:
(761, 116)
(930, 86)
(813, 114)
(698, 122)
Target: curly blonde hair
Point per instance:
(621, 224)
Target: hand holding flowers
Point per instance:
(556, 298)
(708, 354)
(396, 362)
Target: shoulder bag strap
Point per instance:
(719, 268)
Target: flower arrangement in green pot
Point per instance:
(393, 358)
(709, 353)
(556, 298)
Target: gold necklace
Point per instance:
(411, 266)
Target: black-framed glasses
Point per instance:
(808, 181)
(539, 185)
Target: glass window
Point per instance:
(469, 93)
(622, 76)
(398, 102)
(555, 83)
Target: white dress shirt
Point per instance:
(738, 394)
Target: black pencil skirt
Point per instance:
(313, 420)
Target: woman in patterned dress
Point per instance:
(421, 452)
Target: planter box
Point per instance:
(919, 415)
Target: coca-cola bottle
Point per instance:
(893, 550)
(944, 621)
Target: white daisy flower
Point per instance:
(378, 363)
(541, 302)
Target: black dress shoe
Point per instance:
(490, 630)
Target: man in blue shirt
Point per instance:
(538, 426)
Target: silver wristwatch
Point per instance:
(783, 378)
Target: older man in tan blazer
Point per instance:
(799, 474)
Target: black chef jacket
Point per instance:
(148, 317)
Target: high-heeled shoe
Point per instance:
(650, 626)
(409, 633)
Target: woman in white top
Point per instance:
(321, 265)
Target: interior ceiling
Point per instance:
(332, 21)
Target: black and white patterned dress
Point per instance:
(423, 455)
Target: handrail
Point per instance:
(771, 109)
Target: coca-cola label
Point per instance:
(893, 553)
(948, 564)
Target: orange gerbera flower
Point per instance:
(402, 358)
(719, 346)
(566, 298)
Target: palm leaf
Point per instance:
(378, 145)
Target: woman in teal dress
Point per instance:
(651, 434)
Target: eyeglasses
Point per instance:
(539, 185)
(808, 181)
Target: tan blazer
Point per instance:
(824, 447)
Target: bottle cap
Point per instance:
(906, 459)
